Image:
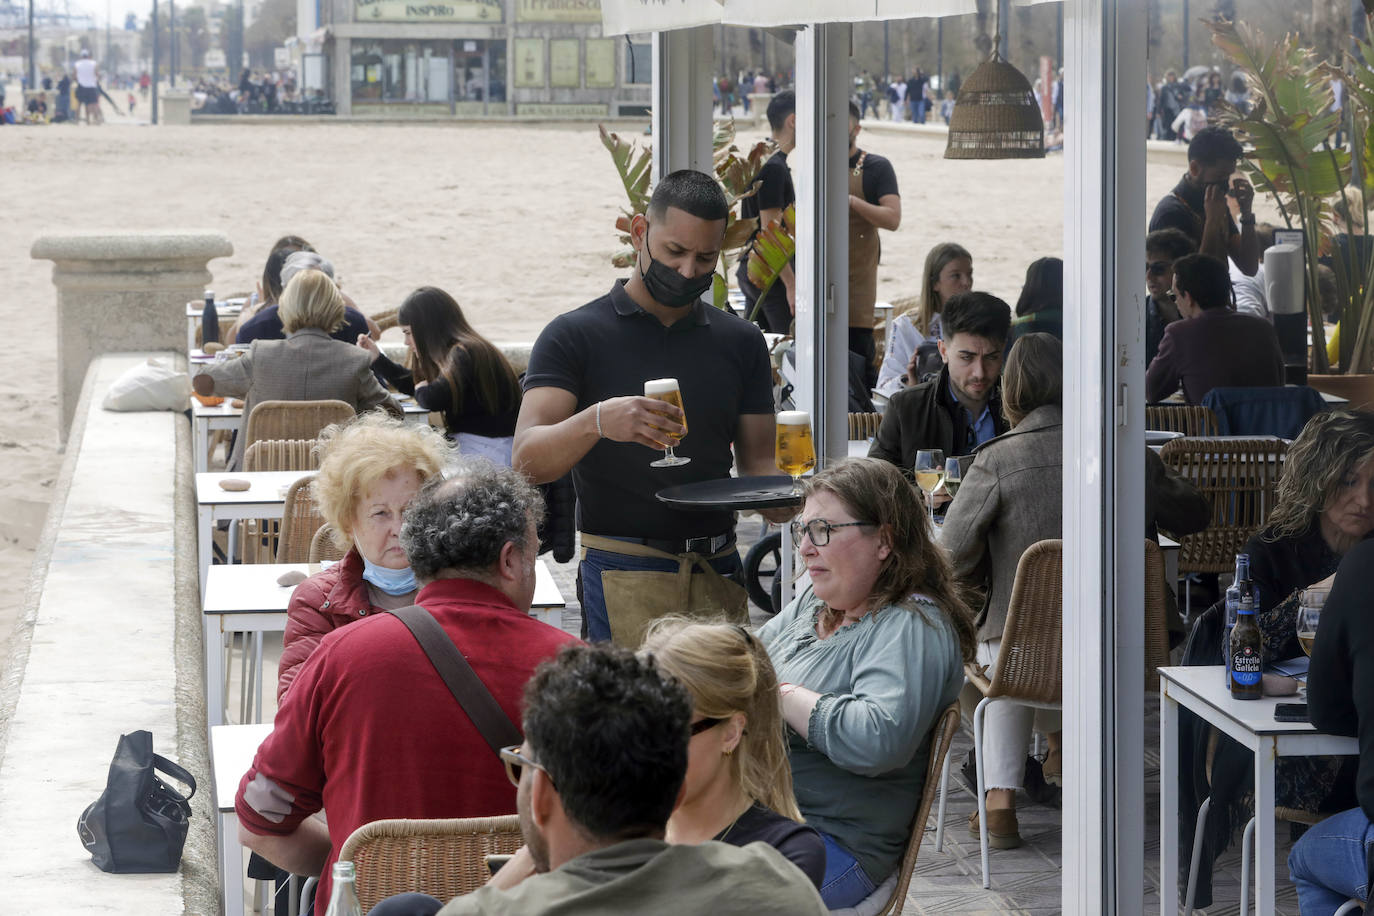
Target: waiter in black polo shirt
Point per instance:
(1198, 203)
(584, 411)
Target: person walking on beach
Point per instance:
(583, 412)
(88, 88)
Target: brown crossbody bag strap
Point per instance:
(467, 688)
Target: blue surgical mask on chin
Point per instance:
(391, 581)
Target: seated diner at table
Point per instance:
(457, 372)
(1011, 497)
(267, 323)
(269, 284)
(912, 335)
(308, 365)
(869, 654)
(370, 469)
(1330, 862)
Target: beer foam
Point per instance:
(794, 418)
(660, 386)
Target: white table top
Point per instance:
(248, 588)
(232, 748)
(227, 409)
(196, 307)
(1207, 684)
(266, 487)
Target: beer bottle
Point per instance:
(1241, 588)
(1246, 655)
(209, 321)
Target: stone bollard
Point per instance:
(122, 291)
(175, 108)
(758, 104)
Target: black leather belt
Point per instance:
(705, 546)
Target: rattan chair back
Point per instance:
(225, 323)
(444, 858)
(1189, 419)
(299, 521)
(281, 455)
(1156, 629)
(1239, 477)
(293, 419)
(1030, 660)
(864, 425)
(387, 319)
(322, 546)
(941, 737)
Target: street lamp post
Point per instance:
(33, 63)
(172, 43)
(155, 61)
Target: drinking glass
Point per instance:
(666, 390)
(1309, 615)
(953, 476)
(796, 452)
(930, 469)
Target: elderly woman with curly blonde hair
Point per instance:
(369, 471)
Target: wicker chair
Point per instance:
(299, 522)
(260, 537)
(894, 889)
(1181, 418)
(1238, 477)
(387, 319)
(292, 419)
(225, 323)
(1156, 628)
(864, 425)
(443, 858)
(322, 546)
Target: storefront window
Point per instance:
(480, 70)
(402, 71)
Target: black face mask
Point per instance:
(667, 286)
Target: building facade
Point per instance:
(471, 58)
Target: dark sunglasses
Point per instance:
(516, 762)
(703, 725)
(1157, 268)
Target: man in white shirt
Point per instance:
(88, 88)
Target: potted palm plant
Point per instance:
(1323, 189)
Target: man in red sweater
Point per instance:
(369, 730)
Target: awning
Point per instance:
(622, 16)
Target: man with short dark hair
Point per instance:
(1214, 347)
(368, 729)
(873, 204)
(774, 195)
(960, 408)
(602, 766)
(1162, 248)
(1197, 206)
(584, 412)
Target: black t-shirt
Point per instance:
(800, 844)
(878, 177)
(609, 348)
(776, 192)
(1183, 209)
(472, 416)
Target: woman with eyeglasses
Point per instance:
(869, 654)
(1009, 500)
(738, 788)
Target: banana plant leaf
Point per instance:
(774, 248)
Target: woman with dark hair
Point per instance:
(868, 655)
(1041, 306)
(455, 371)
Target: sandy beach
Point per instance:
(517, 221)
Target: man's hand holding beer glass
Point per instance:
(644, 420)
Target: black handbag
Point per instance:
(138, 824)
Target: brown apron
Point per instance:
(864, 251)
(636, 598)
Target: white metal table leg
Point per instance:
(1264, 826)
(1168, 804)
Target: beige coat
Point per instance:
(308, 365)
(1011, 497)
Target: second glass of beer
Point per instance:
(796, 452)
(666, 390)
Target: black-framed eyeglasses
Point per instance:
(1172, 297)
(1157, 268)
(818, 530)
(516, 762)
(703, 725)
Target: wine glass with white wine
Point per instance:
(930, 471)
(1309, 615)
(954, 476)
(666, 390)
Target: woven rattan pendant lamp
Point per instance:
(995, 116)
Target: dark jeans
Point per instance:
(774, 316)
(861, 342)
(406, 905)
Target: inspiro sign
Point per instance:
(623, 16)
(411, 11)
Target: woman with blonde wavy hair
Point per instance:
(738, 788)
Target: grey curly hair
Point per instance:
(461, 523)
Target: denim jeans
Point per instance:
(596, 562)
(1329, 865)
(845, 882)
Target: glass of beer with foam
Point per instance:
(796, 453)
(666, 390)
